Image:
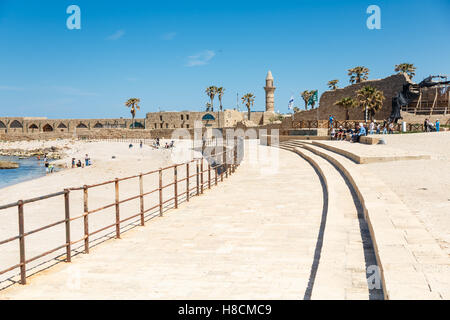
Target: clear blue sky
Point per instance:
(168, 52)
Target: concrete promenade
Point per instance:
(252, 237)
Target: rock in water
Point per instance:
(8, 165)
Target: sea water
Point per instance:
(30, 168)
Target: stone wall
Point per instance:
(389, 86)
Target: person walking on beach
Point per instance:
(46, 165)
(73, 163)
(438, 125)
(86, 160)
(140, 144)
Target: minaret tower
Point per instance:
(270, 90)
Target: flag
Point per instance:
(291, 103)
(314, 98)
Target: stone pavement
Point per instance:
(252, 237)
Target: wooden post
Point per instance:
(198, 178)
(215, 173)
(86, 219)
(141, 198)
(175, 178)
(116, 184)
(187, 181)
(67, 223)
(209, 176)
(235, 154)
(160, 194)
(223, 160)
(201, 177)
(23, 275)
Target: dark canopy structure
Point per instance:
(410, 92)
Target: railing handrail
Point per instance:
(227, 169)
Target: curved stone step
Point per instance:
(406, 252)
(362, 158)
(341, 254)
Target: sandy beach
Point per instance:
(127, 162)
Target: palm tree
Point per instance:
(211, 93)
(358, 74)
(296, 109)
(347, 104)
(333, 84)
(306, 95)
(248, 100)
(133, 104)
(407, 68)
(371, 100)
(220, 93)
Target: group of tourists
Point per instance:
(78, 164)
(429, 126)
(157, 144)
(354, 135)
(49, 167)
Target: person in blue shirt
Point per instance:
(331, 119)
(360, 131)
(438, 125)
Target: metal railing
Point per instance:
(215, 172)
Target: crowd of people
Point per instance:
(354, 135)
(374, 127)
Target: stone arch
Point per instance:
(62, 126)
(33, 126)
(98, 125)
(16, 125)
(2, 125)
(82, 126)
(47, 128)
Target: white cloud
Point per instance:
(117, 35)
(200, 58)
(168, 35)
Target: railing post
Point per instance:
(67, 223)
(215, 173)
(235, 154)
(175, 178)
(141, 198)
(187, 181)
(116, 185)
(209, 176)
(160, 194)
(86, 219)
(198, 178)
(201, 177)
(23, 275)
